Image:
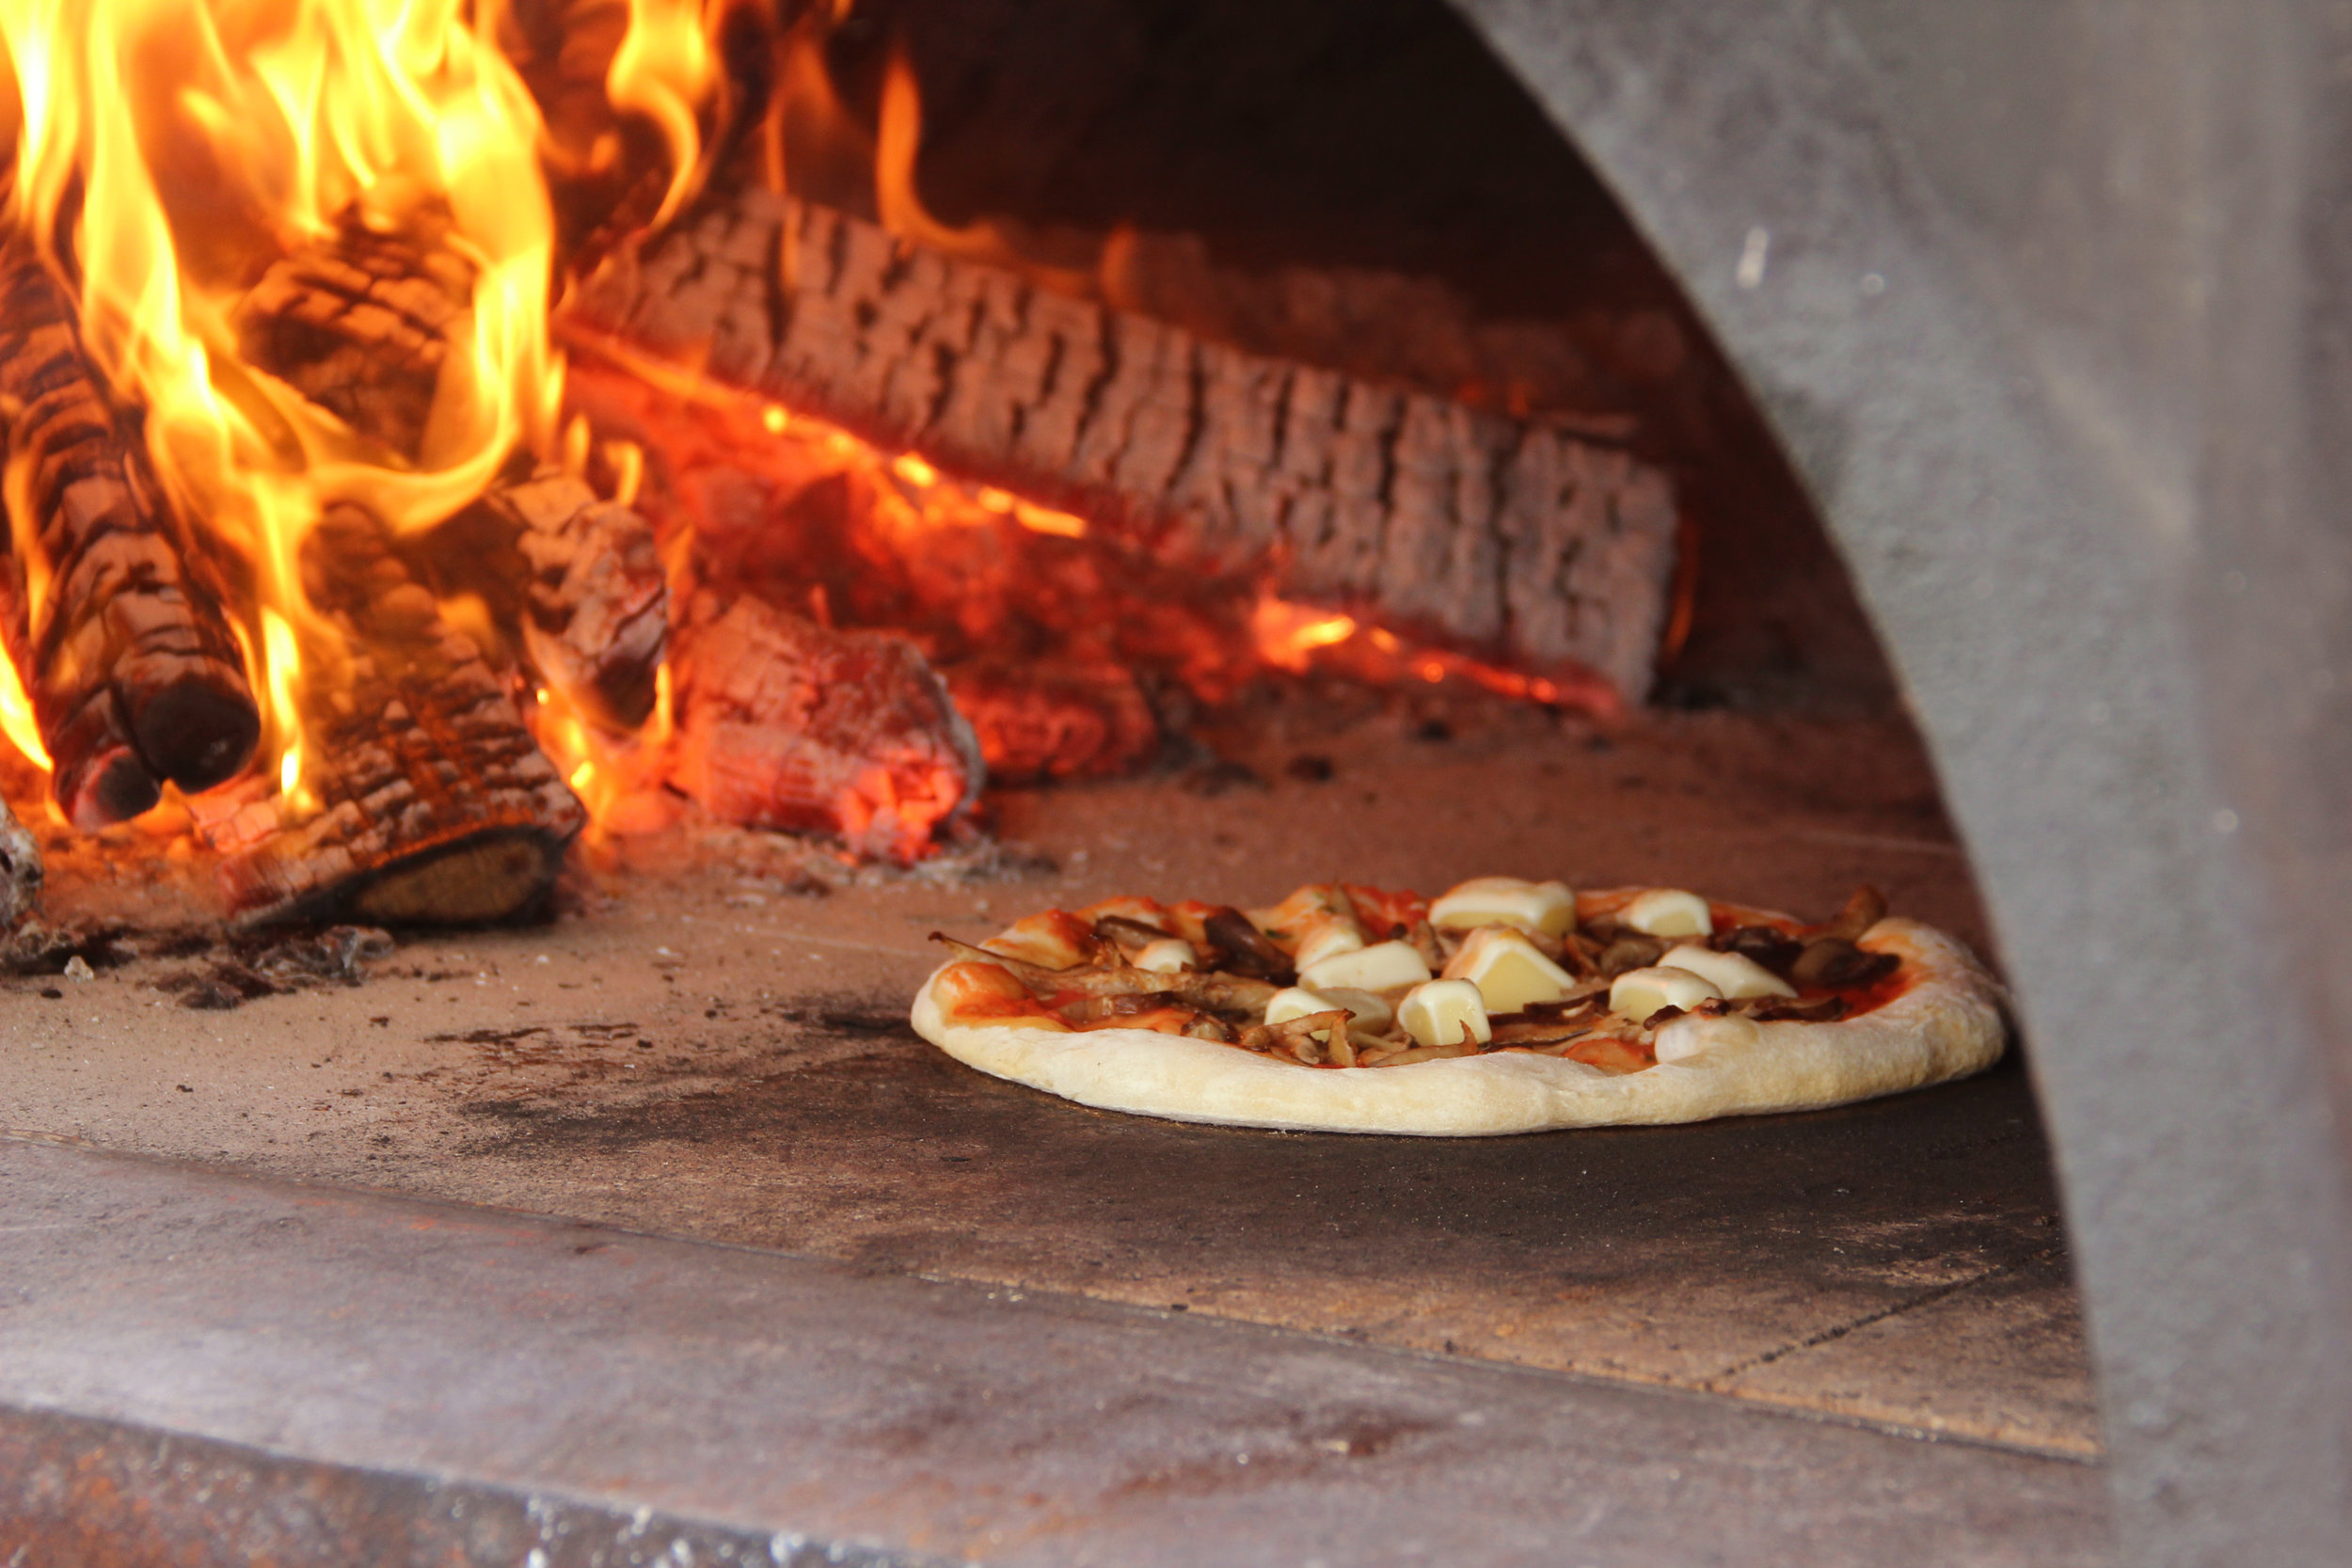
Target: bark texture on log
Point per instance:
(360, 327)
(134, 673)
(785, 723)
(1511, 538)
(21, 870)
(579, 576)
(437, 806)
(1039, 720)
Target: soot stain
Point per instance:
(550, 1122)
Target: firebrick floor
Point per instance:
(702, 1048)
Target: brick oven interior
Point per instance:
(554, 1236)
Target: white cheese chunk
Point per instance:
(1445, 1012)
(1638, 992)
(1688, 1037)
(1383, 966)
(1298, 1002)
(1328, 937)
(1509, 970)
(1668, 911)
(1372, 1013)
(1167, 955)
(1545, 907)
(1735, 974)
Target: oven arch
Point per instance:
(2040, 303)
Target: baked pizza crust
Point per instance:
(1946, 1025)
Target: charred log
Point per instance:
(578, 574)
(20, 871)
(362, 327)
(113, 621)
(785, 723)
(436, 804)
(1038, 719)
(1508, 538)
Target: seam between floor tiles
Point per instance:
(1925, 1298)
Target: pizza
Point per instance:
(1501, 1005)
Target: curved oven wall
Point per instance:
(2042, 303)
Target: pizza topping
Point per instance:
(1552, 1026)
(1298, 1002)
(1127, 932)
(1383, 966)
(1167, 955)
(1834, 963)
(1304, 1038)
(1339, 976)
(1668, 911)
(1369, 1013)
(1865, 908)
(1386, 914)
(1610, 1053)
(1641, 994)
(1696, 1038)
(1247, 950)
(1097, 1010)
(1326, 936)
(1770, 947)
(1508, 970)
(990, 992)
(1217, 992)
(1548, 908)
(1445, 1012)
(1735, 974)
(1054, 940)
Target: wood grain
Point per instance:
(1512, 539)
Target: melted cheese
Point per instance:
(1167, 955)
(1509, 970)
(1640, 993)
(1733, 974)
(1445, 1012)
(1668, 911)
(1383, 966)
(1545, 907)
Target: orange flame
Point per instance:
(664, 69)
(897, 143)
(167, 150)
(16, 718)
(1288, 634)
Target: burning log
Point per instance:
(1507, 538)
(134, 674)
(362, 327)
(20, 870)
(785, 723)
(581, 577)
(1038, 719)
(435, 804)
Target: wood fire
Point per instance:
(315, 531)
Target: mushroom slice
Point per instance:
(1247, 950)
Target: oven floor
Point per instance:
(694, 1051)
